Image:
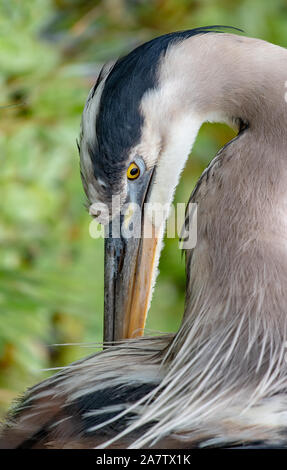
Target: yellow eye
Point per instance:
(133, 171)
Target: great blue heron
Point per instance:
(221, 379)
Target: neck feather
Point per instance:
(230, 352)
(235, 321)
(235, 314)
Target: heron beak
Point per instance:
(129, 267)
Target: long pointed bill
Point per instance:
(129, 268)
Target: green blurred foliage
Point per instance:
(51, 270)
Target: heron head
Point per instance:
(118, 155)
(136, 136)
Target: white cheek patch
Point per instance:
(173, 158)
(174, 130)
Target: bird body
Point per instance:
(221, 380)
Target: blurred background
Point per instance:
(51, 270)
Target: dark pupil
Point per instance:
(134, 171)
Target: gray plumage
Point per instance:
(222, 378)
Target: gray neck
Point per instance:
(236, 306)
(230, 352)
